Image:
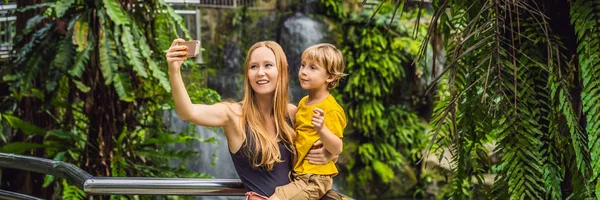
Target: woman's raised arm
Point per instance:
(204, 115)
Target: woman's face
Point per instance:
(262, 71)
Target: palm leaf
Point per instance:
(585, 19)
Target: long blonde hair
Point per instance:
(264, 149)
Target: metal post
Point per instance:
(199, 59)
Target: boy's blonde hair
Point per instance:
(330, 58)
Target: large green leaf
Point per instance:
(24, 126)
(132, 52)
(81, 86)
(64, 56)
(116, 12)
(107, 65)
(81, 60)
(19, 147)
(81, 31)
(122, 85)
(157, 72)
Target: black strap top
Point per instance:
(258, 179)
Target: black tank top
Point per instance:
(258, 179)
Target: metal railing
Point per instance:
(7, 30)
(122, 185)
(92, 185)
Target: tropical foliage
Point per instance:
(94, 72)
(521, 75)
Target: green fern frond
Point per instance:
(81, 60)
(163, 32)
(72, 192)
(115, 12)
(107, 65)
(30, 25)
(132, 52)
(58, 8)
(178, 21)
(157, 72)
(64, 56)
(585, 19)
(34, 7)
(24, 53)
(122, 85)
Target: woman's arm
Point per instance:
(204, 115)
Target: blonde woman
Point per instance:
(259, 129)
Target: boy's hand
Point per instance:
(318, 118)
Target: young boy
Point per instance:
(319, 117)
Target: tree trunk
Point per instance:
(107, 115)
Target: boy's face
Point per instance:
(313, 75)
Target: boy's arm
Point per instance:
(331, 141)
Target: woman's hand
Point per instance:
(176, 54)
(319, 155)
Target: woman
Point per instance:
(258, 129)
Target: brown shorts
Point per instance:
(305, 186)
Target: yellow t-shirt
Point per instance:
(335, 120)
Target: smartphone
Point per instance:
(193, 47)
